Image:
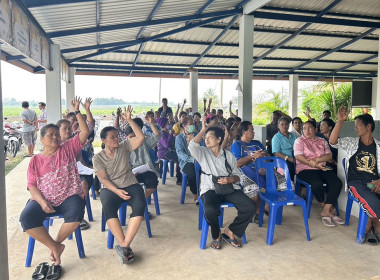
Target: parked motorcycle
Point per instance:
(14, 137)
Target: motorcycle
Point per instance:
(14, 138)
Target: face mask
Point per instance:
(191, 128)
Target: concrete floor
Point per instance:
(174, 253)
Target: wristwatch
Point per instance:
(77, 112)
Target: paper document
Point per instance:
(84, 170)
(141, 169)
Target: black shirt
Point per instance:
(363, 164)
(164, 114)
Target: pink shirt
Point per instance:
(57, 176)
(309, 149)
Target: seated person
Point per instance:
(282, 145)
(297, 126)
(54, 186)
(197, 122)
(232, 130)
(114, 172)
(326, 126)
(141, 155)
(218, 162)
(272, 128)
(246, 150)
(312, 153)
(363, 168)
(178, 127)
(146, 128)
(185, 159)
(166, 146)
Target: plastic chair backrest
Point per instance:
(86, 157)
(344, 168)
(270, 163)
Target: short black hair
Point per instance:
(219, 133)
(60, 122)
(182, 113)
(25, 104)
(237, 119)
(366, 119)
(46, 127)
(197, 114)
(149, 113)
(164, 99)
(327, 111)
(104, 132)
(220, 110)
(230, 120)
(43, 104)
(139, 122)
(186, 120)
(296, 118)
(329, 122)
(283, 119)
(69, 115)
(314, 124)
(244, 125)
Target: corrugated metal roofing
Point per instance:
(173, 53)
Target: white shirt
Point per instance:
(42, 117)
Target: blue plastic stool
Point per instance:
(32, 241)
(205, 225)
(275, 199)
(123, 218)
(156, 203)
(363, 218)
(164, 169)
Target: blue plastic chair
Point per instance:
(184, 181)
(32, 241)
(123, 219)
(164, 169)
(363, 218)
(276, 200)
(92, 187)
(205, 225)
(156, 203)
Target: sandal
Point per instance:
(126, 254)
(371, 239)
(216, 244)
(55, 272)
(40, 271)
(84, 225)
(327, 222)
(232, 242)
(338, 220)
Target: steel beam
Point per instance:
(43, 3)
(142, 23)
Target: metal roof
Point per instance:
(312, 38)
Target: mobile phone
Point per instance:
(370, 186)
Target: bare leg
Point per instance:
(326, 211)
(376, 224)
(116, 229)
(368, 227)
(231, 235)
(85, 187)
(149, 192)
(256, 200)
(40, 234)
(30, 150)
(133, 227)
(195, 197)
(65, 230)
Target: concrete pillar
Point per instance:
(4, 268)
(375, 109)
(194, 90)
(53, 86)
(221, 94)
(159, 94)
(245, 67)
(293, 95)
(70, 87)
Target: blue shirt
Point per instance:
(238, 150)
(183, 153)
(283, 145)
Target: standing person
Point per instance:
(29, 122)
(114, 172)
(54, 186)
(216, 161)
(363, 168)
(165, 110)
(42, 118)
(282, 145)
(297, 126)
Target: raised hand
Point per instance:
(128, 113)
(343, 113)
(118, 111)
(226, 134)
(87, 103)
(184, 101)
(307, 113)
(230, 103)
(179, 105)
(75, 103)
(149, 119)
(204, 125)
(210, 101)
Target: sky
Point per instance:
(23, 85)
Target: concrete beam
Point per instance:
(194, 89)
(53, 86)
(293, 95)
(254, 5)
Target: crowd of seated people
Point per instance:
(224, 148)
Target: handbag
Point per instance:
(222, 189)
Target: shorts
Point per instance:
(29, 137)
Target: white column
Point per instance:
(53, 86)
(293, 95)
(159, 94)
(245, 67)
(4, 269)
(194, 90)
(70, 87)
(221, 94)
(375, 108)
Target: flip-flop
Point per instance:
(231, 241)
(40, 271)
(327, 222)
(338, 220)
(216, 244)
(371, 239)
(54, 272)
(84, 225)
(126, 254)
